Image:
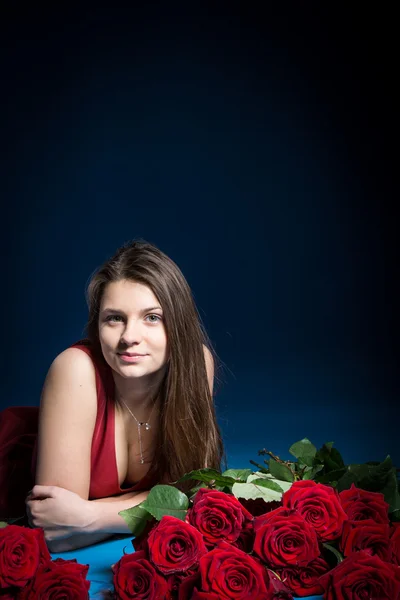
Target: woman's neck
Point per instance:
(137, 394)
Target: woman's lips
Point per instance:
(132, 359)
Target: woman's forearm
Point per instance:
(104, 522)
(104, 517)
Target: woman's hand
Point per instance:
(60, 512)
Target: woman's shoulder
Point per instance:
(84, 345)
(81, 362)
(73, 360)
(79, 352)
(209, 360)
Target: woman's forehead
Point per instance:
(128, 294)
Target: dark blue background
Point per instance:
(253, 147)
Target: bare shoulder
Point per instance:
(209, 360)
(75, 358)
(71, 385)
(208, 355)
(67, 417)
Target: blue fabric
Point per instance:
(100, 557)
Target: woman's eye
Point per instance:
(154, 318)
(113, 317)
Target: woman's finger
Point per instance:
(43, 491)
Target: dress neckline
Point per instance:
(111, 398)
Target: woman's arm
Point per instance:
(104, 522)
(67, 417)
(104, 512)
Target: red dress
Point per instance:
(18, 447)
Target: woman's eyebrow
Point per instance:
(121, 312)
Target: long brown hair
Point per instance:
(189, 437)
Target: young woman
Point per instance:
(129, 407)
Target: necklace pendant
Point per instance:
(147, 426)
(142, 461)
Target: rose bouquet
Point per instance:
(307, 526)
(27, 571)
(291, 529)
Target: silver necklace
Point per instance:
(140, 424)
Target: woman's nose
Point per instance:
(131, 334)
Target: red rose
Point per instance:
(303, 581)
(22, 551)
(188, 586)
(59, 579)
(77, 567)
(203, 595)
(319, 505)
(366, 535)
(218, 516)
(136, 577)
(174, 581)
(276, 588)
(175, 546)
(140, 542)
(360, 505)
(245, 540)
(284, 538)
(395, 543)
(228, 572)
(361, 576)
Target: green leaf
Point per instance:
(330, 457)
(227, 489)
(284, 485)
(329, 445)
(237, 474)
(391, 493)
(249, 491)
(337, 457)
(3, 524)
(311, 472)
(339, 557)
(268, 483)
(374, 477)
(395, 515)
(304, 451)
(280, 471)
(136, 518)
(259, 467)
(166, 500)
(207, 476)
(366, 476)
(258, 486)
(330, 476)
(195, 489)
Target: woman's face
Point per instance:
(131, 329)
